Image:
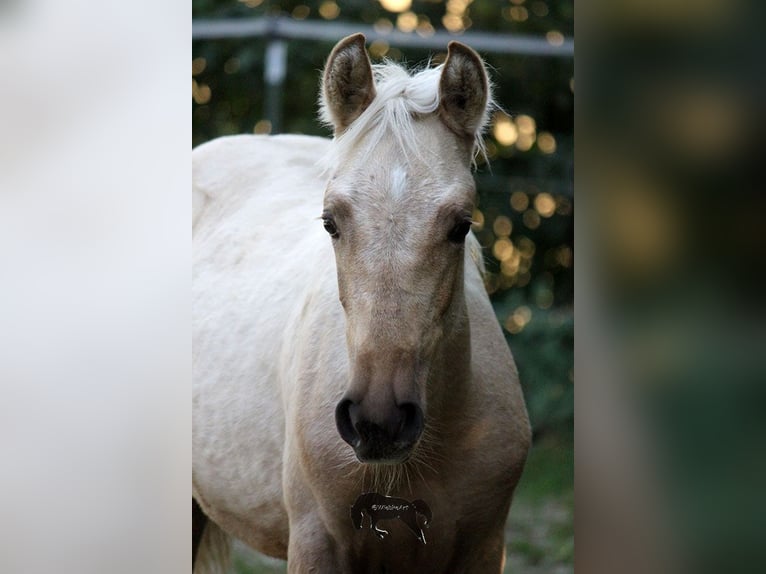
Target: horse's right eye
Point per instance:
(457, 234)
(330, 227)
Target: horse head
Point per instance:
(398, 208)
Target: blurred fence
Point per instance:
(278, 29)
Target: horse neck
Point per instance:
(449, 381)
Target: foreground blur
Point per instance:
(94, 274)
(671, 252)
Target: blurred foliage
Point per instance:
(525, 213)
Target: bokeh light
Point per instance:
(564, 256)
(407, 21)
(379, 48)
(201, 93)
(396, 5)
(555, 38)
(526, 124)
(425, 28)
(527, 128)
(519, 319)
(231, 66)
(502, 226)
(526, 246)
(502, 249)
(329, 10)
(546, 142)
(531, 219)
(453, 23)
(301, 12)
(510, 266)
(262, 127)
(504, 129)
(198, 66)
(563, 206)
(545, 204)
(383, 26)
(519, 200)
(519, 14)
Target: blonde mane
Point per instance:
(400, 97)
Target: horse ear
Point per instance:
(347, 83)
(463, 91)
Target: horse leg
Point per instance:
(311, 549)
(487, 555)
(199, 521)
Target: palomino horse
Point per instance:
(343, 339)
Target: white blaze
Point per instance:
(398, 182)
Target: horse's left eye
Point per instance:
(329, 227)
(458, 233)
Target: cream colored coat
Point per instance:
(274, 351)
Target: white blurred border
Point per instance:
(95, 259)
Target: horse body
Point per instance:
(282, 325)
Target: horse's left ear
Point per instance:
(463, 91)
(347, 83)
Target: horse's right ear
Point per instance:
(464, 91)
(347, 83)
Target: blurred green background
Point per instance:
(524, 218)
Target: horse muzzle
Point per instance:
(388, 439)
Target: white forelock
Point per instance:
(400, 97)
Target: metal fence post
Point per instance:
(274, 72)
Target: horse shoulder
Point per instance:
(499, 404)
(255, 201)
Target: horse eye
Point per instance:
(458, 233)
(329, 227)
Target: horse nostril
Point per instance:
(379, 440)
(412, 423)
(345, 425)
